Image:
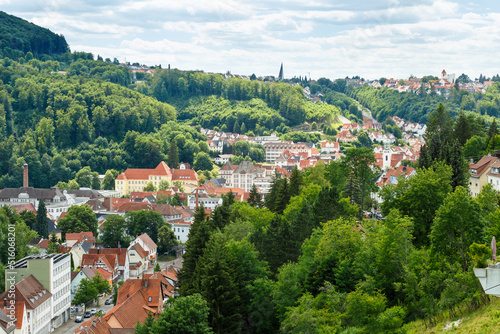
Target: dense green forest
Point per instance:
(19, 37)
(306, 261)
(385, 102)
(212, 101)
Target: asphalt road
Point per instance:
(70, 326)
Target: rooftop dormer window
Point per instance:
(473, 171)
(494, 170)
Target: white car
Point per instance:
(93, 311)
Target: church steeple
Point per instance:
(280, 76)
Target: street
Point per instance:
(70, 326)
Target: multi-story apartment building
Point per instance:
(53, 272)
(243, 177)
(274, 150)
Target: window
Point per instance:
(150, 299)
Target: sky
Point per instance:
(313, 38)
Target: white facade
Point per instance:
(181, 231)
(39, 318)
(60, 284)
(209, 203)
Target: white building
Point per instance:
(53, 272)
(243, 176)
(209, 203)
(274, 150)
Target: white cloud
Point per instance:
(369, 38)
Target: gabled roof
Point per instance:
(25, 206)
(104, 274)
(38, 193)
(166, 210)
(482, 165)
(44, 243)
(142, 253)
(80, 235)
(148, 241)
(31, 291)
(109, 260)
(135, 206)
(19, 313)
(143, 174)
(184, 174)
(89, 272)
(95, 204)
(120, 252)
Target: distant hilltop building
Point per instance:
(280, 76)
(449, 77)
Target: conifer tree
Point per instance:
(243, 128)
(270, 199)
(219, 288)
(42, 226)
(254, 199)
(173, 155)
(53, 244)
(236, 127)
(199, 235)
(295, 182)
(283, 197)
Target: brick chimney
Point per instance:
(25, 175)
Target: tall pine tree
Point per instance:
(173, 155)
(295, 182)
(254, 199)
(199, 235)
(42, 226)
(219, 288)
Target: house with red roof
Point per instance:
(479, 173)
(138, 260)
(137, 298)
(123, 260)
(148, 245)
(135, 179)
(32, 303)
(107, 262)
(16, 319)
(330, 146)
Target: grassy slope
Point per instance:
(484, 320)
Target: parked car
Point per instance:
(93, 311)
(79, 318)
(108, 301)
(87, 315)
(100, 312)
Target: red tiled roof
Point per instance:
(142, 253)
(184, 174)
(104, 274)
(26, 206)
(482, 165)
(78, 236)
(120, 252)
(135, 206)
(44, 243)
(165, 210)
(19, 312)
(143, 174)
(29, 290)
(140, 194)
(109, 260)
(148, 241)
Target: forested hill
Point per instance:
(20, 36)
(59, 123)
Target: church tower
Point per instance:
(280, 76)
